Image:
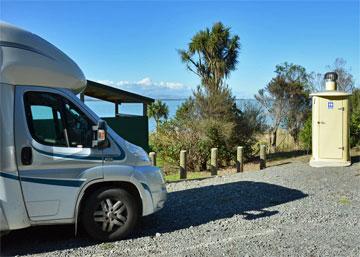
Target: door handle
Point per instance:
(320, 122)
(108, 159)
(26, 155)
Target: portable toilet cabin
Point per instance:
(330, 125)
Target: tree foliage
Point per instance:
(355, 100)
(345, 80)
(158, 110)
(212, 54)
(210, 118)
(293, 73)
(286, 100)
(317, 82)
(355, 118)
(306, 134)
(274, 100)
(297, 90)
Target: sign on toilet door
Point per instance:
(330, 105)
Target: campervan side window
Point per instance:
(54, 120)
(79, 127)
(45, 119)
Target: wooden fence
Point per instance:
(214, 160)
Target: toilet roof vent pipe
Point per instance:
(330, 81)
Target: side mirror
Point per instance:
(100, 135)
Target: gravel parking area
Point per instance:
(288, 210)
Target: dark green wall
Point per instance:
(132, 128)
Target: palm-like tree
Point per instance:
(212, 55)
(158, 110)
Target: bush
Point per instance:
(198, 135)
(171, 138)
(355, 100)
(306, 134)
(355, 129)
(355, 118)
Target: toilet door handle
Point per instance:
(320, 122)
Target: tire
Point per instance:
(110, 214)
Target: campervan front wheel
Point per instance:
(110, 214)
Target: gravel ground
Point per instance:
(288, 210)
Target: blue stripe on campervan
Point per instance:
(55, 182)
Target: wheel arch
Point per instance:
(126, 185)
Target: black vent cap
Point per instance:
(331, 76)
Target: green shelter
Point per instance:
(133, 128)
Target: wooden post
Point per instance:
(262, 157)
(116, 109)
(152, 156)
(213, 161)
(240, 159)
(145, 109)
(183, 170)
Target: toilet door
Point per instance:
(330, 124)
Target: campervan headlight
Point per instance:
(137, 151)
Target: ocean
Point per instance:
(107, 109)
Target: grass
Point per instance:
(344, 200)
(190, 175)
(285, 155)
(107, 246)
(284, 142)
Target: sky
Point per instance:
(133, 45)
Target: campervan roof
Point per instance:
(27, 59)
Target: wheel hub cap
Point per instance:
(110, 214)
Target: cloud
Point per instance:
(145, 82)
(163, 89)
(147, 87)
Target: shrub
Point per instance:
(306, 134)
(355, 100)
(355, 118)
(198, 135)
(172, 137)
(355, 129)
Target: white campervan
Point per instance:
(59, 163)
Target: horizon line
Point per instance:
(183, 99)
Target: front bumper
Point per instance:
(159, 198)
(153, 188)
